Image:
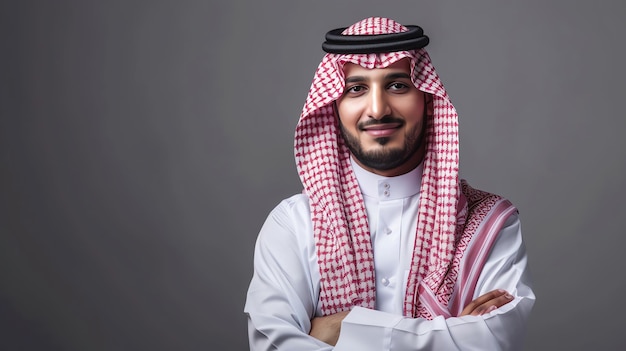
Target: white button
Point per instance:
(386, 193)
(388, 230)
(385, 281)
(386, 185)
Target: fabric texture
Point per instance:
(337, 210)
(284, 291)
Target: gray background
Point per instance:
(142, 145)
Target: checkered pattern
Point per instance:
(337, 209)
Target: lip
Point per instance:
(382, 130)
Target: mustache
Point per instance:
(383, 120)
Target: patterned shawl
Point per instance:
(337, 209)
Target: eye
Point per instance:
(355, 89)
(397, 87)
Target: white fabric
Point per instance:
(338, 212)
(284, 292)
(391, 204)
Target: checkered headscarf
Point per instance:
(337, 209)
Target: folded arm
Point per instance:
(500, 329)
(283, 296)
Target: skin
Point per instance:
(382, 117)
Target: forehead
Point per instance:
(402, 66)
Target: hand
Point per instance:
(487, 303)
(327, 328)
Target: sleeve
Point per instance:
(282, 297)
(503, 329)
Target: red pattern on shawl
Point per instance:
(338, 213)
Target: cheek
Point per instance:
(348, 114)
(412, 111)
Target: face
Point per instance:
(381, 117)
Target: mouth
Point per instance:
(381, 130)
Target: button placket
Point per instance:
(386, 190)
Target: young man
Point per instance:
(386, 249)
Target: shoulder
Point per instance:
(491, 221)
(483, 205)
(290, 217)
(296, 205)
(475, 194)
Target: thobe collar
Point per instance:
(388, 188)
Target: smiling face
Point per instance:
(381, 117)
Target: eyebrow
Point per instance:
(390, 76)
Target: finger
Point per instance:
(482, 299)
(492, 304)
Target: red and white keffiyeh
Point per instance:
(338, 212)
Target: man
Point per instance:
(386, 249)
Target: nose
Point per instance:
(378, 106)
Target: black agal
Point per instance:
(337, 43)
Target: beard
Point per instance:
(385, 158)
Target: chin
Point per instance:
(385, 144)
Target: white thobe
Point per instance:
(284, 292)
